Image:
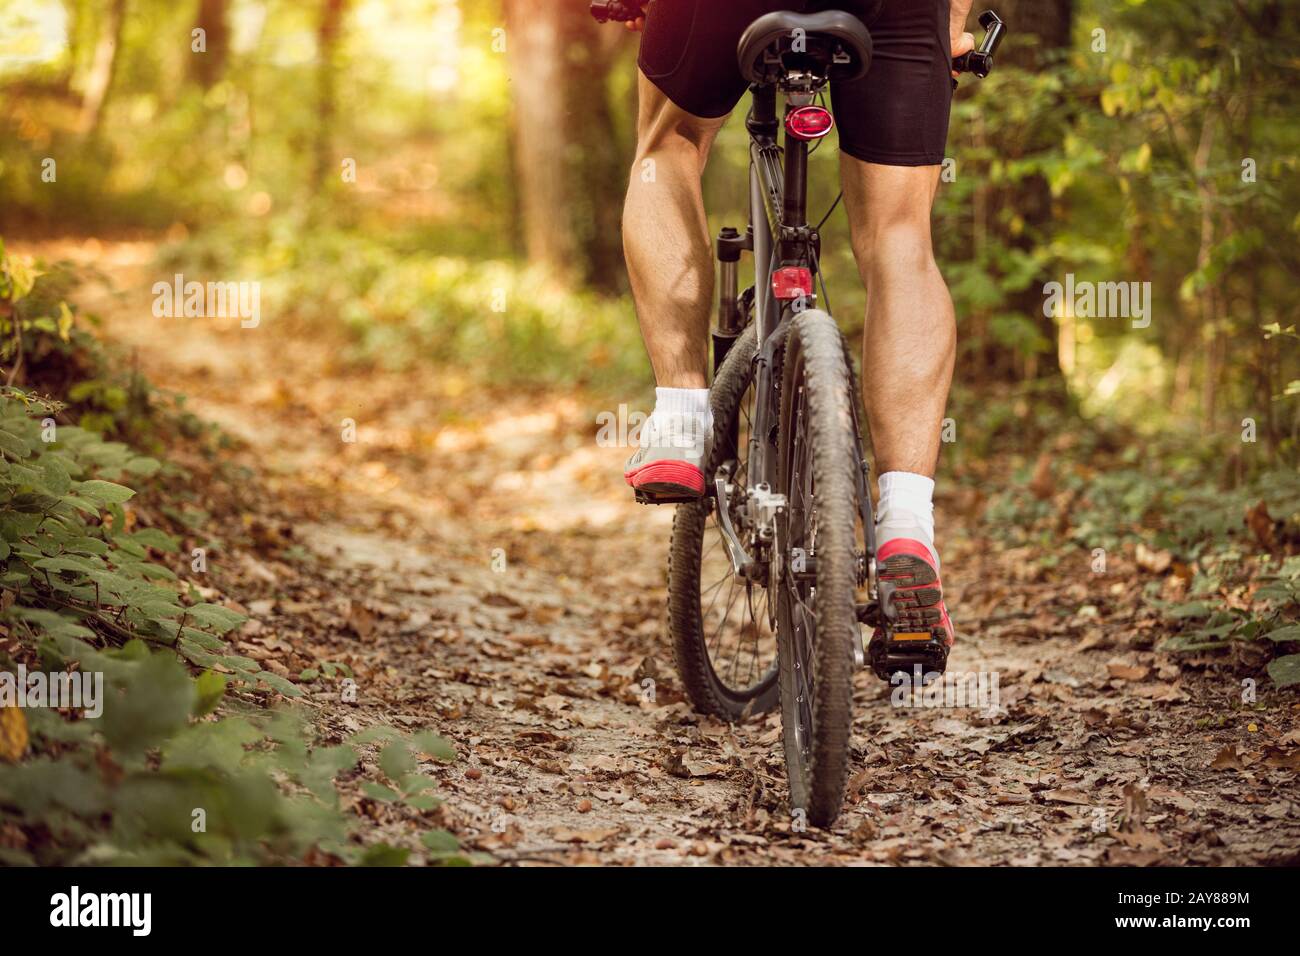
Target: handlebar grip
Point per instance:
(980, 60)
(618, 10)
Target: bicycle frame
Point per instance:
(766, 205)
(778, 235)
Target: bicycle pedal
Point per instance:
(645, 499)
(869, 614)
(894, 650)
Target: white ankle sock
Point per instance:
(906, 500)
(679, 407)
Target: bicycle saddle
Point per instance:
(839, 40)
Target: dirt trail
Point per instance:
(1102, 751)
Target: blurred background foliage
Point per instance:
(437, 183)
(1118, 140)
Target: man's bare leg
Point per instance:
(666, 238)
(910, 338)
(669, 261)
(909, 345)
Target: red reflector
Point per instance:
(792, 282)
(808, 122)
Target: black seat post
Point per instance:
(794, 211)
(762, 123)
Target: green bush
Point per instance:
(398, 307)
(157, 778)
(1168, 499)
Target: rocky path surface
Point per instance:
(477, 563)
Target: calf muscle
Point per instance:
(665, 238)
(909, 339)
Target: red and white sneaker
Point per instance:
(920, 632)
(911, 591)
(668, 465)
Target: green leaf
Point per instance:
(144, 467)
(119, 519)
(159, 610)
(278, 683)
(439, 748)
(1285, 671)
(86, 545)
(104, 492)
(324, 764)
(440, 841)
(69, 563)
(53, 623)
(241, 664)
(219, 745)
(416, 783)
(153, 538)
(155, 572)
(1289, 633)
(132, 650)
(131, 550)
(381, 854)
(1188, 609)
(203, 639)
(195, 654)
(396, 760)
(56, 475)
(82, 505)
(209, 688)
(377, 791)
(38, 784)
(14, 446)
(151, 702)
(216, 618)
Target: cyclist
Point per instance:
(893, 125)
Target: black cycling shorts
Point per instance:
(896, 115)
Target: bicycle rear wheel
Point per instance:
(817, 621)
(722, 624)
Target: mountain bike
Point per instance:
(772, 574)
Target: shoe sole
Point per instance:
(666, 479)
(917, 593)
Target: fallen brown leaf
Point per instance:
(1157, 562)
(1261, 525)
(1226, 759)
(360, 620)
(1043, 483)
(597, 835)
(1067, 796)
(1122, 671)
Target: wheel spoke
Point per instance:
(740, 641)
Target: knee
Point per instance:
(676, 139)
(896, 243)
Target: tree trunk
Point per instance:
(567, 166)
(1043, 27)
(207, 67)
(1208, 298)
(102, 68)
(328, 32)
